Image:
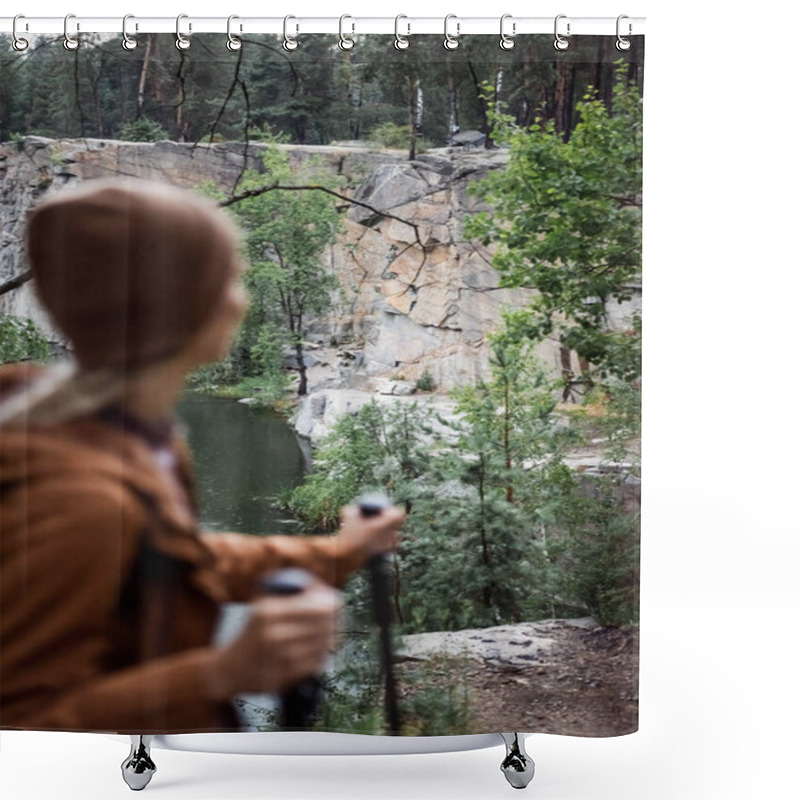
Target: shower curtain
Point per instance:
(443, 254)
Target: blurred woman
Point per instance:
(109, 592)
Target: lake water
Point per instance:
(243, 458)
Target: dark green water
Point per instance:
(243, 458)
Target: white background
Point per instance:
(720, 605)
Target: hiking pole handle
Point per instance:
(299, 702)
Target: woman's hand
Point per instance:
(371, 535)
(286, 640)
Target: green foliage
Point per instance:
(602, 550)
(17, 140)
(381, 448)
(431, 709)
(268, 134)
(566, 219)
(143, 130)
(391, 135)
(351, 699)
(425, 382)
(21, 340)
(612, 413)
(499, 529)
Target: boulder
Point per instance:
(513, 645)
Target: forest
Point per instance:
(315, 95)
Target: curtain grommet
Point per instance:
(561, 42)
(507, 41)
(401, 42)
(128, 41)
(346, 42)
(70, 42)
(19, 43)
(181, 42)
(451, 41)
(623, 44)
(289, 43)
(234, 43)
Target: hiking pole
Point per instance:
(371, 505)
(299, 702)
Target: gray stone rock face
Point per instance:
(317, 413)
(415, 295)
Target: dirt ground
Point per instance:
(586, 684)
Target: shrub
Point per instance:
(21, 340)
(143, 130)
(391, 135)
(425, 382)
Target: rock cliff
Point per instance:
(415, 295)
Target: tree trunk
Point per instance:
(507, 437)
(302, 389)
(398, 590)
(564, 93)
(487, 589)
(485, 130)
(452, 101)
(412, 117)
(567, 374)
(148, 48)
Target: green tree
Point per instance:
(566, 219)
(142, 130)
(21, 340)
(287, 230)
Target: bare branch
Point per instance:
(236, 198)
(15, 282)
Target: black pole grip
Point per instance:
(299, 702)
(371, 505)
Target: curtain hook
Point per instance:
(128, 42)
(507, 41)
(70, 43)
(451, 42)
(181, 42)
(401, 42)
(19, 44)
(288, 42)
(561, 42)
(623, 44)
(234, 43)
(346, 42)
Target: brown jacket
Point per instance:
(109, 593)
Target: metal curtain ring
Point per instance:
(19, 44)
(234, 43)
(561, 42)
(401, 42)
(288, 42)
(181, 42)
(346, 42)
(70, 43)
(507, 42)
(451, 42)
(623, 44)
(128, 42)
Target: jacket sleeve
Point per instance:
(66, 549)
(242, 558)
